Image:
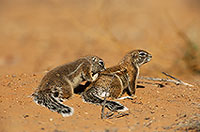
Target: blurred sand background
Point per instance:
(38, 35)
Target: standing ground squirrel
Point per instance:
(59, 83)
(114, 80)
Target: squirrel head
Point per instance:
(137, 57)
(97, 64)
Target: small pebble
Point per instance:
(163, 116)
(25, 116)
(146, 118)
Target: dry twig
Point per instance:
(104, 101)
(103, 106)
(119, 115)
(181, 82)
(175, 81)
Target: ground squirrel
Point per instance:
(59, 83)
(115, 80)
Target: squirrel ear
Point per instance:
(94, 59)
(134, 54)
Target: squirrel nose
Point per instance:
(104, 68)
(149, 57)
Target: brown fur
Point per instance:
(114, 80)
(59, 83)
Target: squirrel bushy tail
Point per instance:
(47, 100)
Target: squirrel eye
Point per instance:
(101, 62)
(142, 53)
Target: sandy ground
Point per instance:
(155, 109)
(36, 36)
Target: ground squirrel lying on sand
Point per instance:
(59, 83)
(114, 80)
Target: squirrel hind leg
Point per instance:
(90, 96)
